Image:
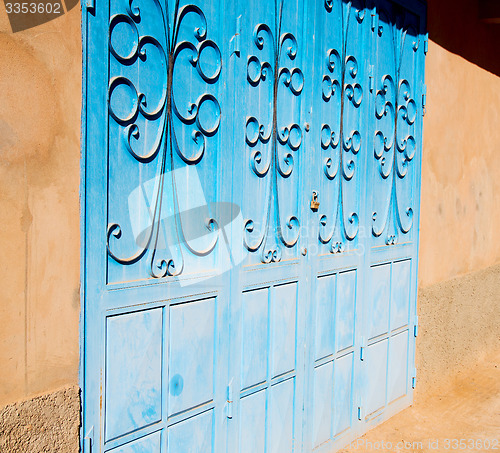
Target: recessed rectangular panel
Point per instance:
(281, 412)
(148, 444)
(378, 296)
(192, 355)
(400, 302)
(323, 404)
(398, 366)
(253, 423)
(284, 326)
(255, 327)
(376, 374)
(345, 309)
(133, 371)
(325, 316)
(258, 108)
(342, 393)
(196, 434)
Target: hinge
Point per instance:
(374, 20)
(424, 99)
(235, 40)
(230, 400)
(88, 441)
(372, 82)
(415, 327)
(90, 4)
(414, 378)
(426, 43)
(362, 349)
(360, 414)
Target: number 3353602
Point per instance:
(33, 8)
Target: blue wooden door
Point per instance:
(157, 206)
(394, 127)
(339, 74)
(250, 222)
(270, 288)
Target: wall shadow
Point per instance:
(456, 26)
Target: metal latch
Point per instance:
(362, 349)
(235, 40)
(314, 201)
(359, 403)
(90, 4)
(230, 400)
(371, 79)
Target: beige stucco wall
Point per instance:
(459, 326)
(460, 207)
(40, 82)
(40, 103)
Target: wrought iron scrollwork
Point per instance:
(166, 142)
(284, 140)
(394, 142)
(341, 79)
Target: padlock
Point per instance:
(314, 201)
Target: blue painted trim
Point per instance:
(421, 72)
(82, 199)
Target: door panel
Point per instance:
(268, 372)
(269, 288)
(133, 371)
(338, 102)
(376, 362)
(224, 310)
(143, 445)
(156, 311)
(394, 123)
(163, 138)
(192, 346)
(393, 175)
(193, 434)
(269, 83)
(252, 424)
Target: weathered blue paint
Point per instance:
(225, 310)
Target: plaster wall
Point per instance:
(459, 326)
(40, 104)
(460, 206)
